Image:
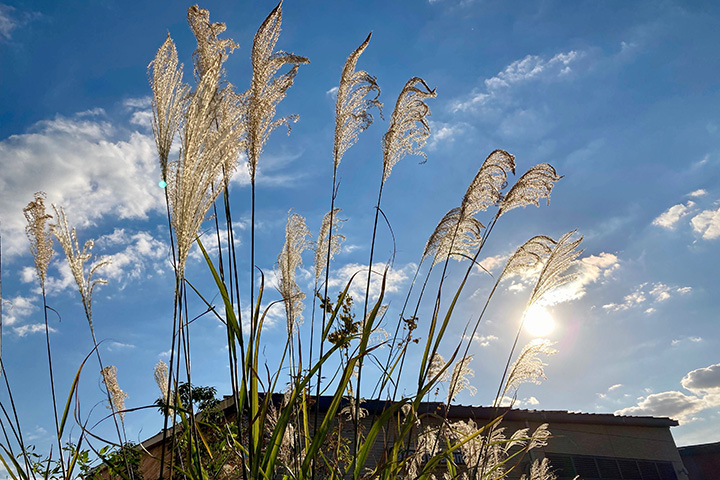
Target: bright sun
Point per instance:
(538, 322)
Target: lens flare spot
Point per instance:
(162, 184)
(538, 321)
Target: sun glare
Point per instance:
(538, 321)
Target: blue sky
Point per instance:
(620, 97)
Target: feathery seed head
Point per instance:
(41, 245)
(460, 379)
(266, 90)
(486, 187)
(323, 243)
(161, 378)
(540, 470)
(76, 260)
(529, 256)
(409, 129)
(528, 367)
(211, 49)
(117, 396)
(534, 185)
(353, 104)
(296, 233)
(169, 99)
(437, 365)
(211, 140)
(457, 235)
(553, 273)
(352, 409)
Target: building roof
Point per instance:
(702, 448)
(488, 413)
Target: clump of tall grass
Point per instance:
(219, 128)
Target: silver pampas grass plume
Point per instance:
(457, 235)
(553, 273)
(161, 378)
(529, 367)
(460, 379)
(267, 90)
(41, 244)
(486, 188)
(289, 260)
(117, 396)
(76, 260)
(409, 129)
(211, 139)
(169, 99)
(323, 242)
(533, 186)
(354, 101)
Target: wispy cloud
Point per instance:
(442, 133)
(115, 346)
(530, 68)
(11, 19)
(698, 193)
(672, 215)
(484, 340)
(17, 309)
(679, 341)
(707, 224)
(395, 278)
(492, 263)
(647, 295)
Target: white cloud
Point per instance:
(671, 404)
(614, 387)
(698, 193)
(707, 223)
(17, 309)
(653, 292)
(395, 278)
(332, 93)
(492, 263)
(703, 383)
(484, 340)
(114, 346)
(142, 254)
(267, 169)
(670, 217)
(703, 380)
(444, 133)
(678, 341)
(519, 402)
(84, 164)
(31, 328)
(144, 103)
(7, 21)
(530, 68)
(588, 270)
